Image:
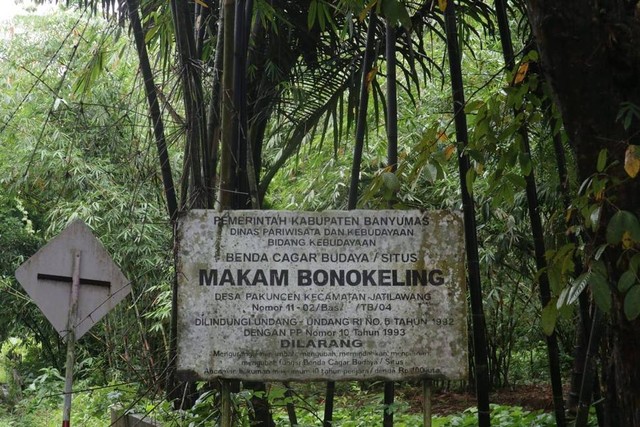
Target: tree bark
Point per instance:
(589, 54)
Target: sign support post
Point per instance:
(225, 409)
(46, 278)
(426, 402)
(71, 340)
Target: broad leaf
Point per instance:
(391, 181)
(448, 152)
(516, 180)
(396, 12)
(365, 11)
(632, 303)
(521, 73)
(311, 16)
(602, 160)
(634, 263)
(577, 287)
(594, 217)
(562, 298)
(599, 252)
(621, 222)
(525, 163)
(627, 280)
(549, 318)
(632, 161)
(469, 179)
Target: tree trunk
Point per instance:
(589, 54)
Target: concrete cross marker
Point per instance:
(74, 281)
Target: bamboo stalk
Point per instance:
(362, 111)
(194, 104)
(355, 167)
(154, 109)
(392, 161)
(227, 177)
(213, 114)
(471, 237)
(536, 229)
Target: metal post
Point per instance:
(389, 392)
(226, 403)
(426, 402)
(328, 404)
(71, 340)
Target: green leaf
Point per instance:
(431, 172)
(391, 181)
(277, 393)
(601, 292)
(322, 16)
(578, 286)
(634, 263)
(594, 217)
(533, 56)
(311, 16)
(599, 252)
(473, 106)
(396, 12)
(562, 298)
(602, 160)
(549, 318)
(516, 180)
(632, 303)
(627, 280)
(469, 179)
(621, 222)
(525, 163)
(599, 268)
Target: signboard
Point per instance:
(47, 277)
(337, 295)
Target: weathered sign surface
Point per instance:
(46, 277)
(337, 295)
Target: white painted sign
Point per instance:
(338, 295)
(46, 277)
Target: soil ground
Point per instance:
(530, 397)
